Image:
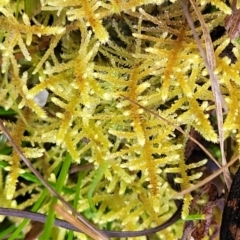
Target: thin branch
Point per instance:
(210, 65)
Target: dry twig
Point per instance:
(210, 63)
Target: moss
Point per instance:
(87, 55)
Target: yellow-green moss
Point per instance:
(87, 54)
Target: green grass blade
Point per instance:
(7, 231)
(76, 198)
(26, 221)
(32, 7)
(17, 9)
(193, 217)
(97, 178)
(32, 178)
(8, 112)
(59, 185)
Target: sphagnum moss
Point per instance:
(86, 55)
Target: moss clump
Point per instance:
(87, 55)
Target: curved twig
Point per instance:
(38, 217)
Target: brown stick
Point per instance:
(210, 63)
